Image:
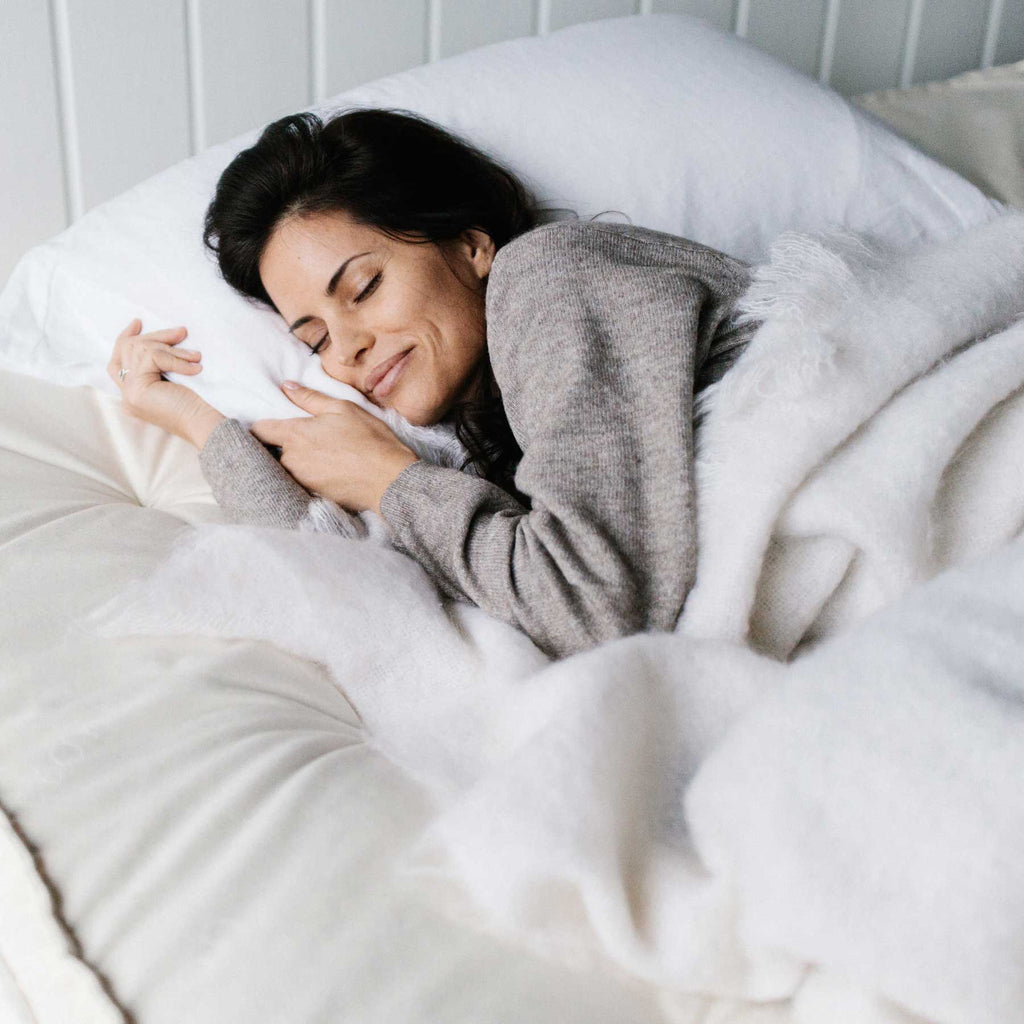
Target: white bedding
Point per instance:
(221, 838)
(712, 820)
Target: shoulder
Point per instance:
(581, 244)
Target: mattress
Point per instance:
(193, 829)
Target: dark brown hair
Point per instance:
(392, 170)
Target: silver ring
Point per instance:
(121, 376)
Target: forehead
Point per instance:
(304, 251)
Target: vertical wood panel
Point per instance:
(317, 51)
(542, 19)
(31, 176)
(569, 12)
(253, 69)
(828, 41)
(194, 76)
(131, 93)
(869, 45)
(720, 13)
(911, 38)
(995, 17)
(365, 40)
(792, 31)
(1010, 47)
(466, 24)
(952, 38)
(434, 30)
(66, 107)
(742, 19)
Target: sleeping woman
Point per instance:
(565, 354)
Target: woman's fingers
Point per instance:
(167, 335)
(168, 359)
(152, 353)
(272, 431)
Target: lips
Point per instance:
(381, 370)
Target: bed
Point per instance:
(200, 828)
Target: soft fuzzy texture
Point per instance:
(843, 829)
(848, 323)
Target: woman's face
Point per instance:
(395, 320)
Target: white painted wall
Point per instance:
(96, 95)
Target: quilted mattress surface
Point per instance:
(195, 830)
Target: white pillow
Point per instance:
(677, 125)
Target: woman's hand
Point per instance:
(341, 451)
(145, 392)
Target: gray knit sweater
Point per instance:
(599, 334)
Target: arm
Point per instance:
(246, 479)
(255, 489)
(592, 335)
(554, 576)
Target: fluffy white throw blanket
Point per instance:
(812, 790)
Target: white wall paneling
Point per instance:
(952, 38)
(911, 38)
(995, 19)
(1010, 42)
(100, 94)
(467, 24)
(828, 41)
(870, 38)
(128, 61)
(569, 12)
(34, 201)
(741, 22)
(251, 70)
(792, 31)
(366, 39)
(720, 13)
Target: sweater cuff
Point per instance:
(247, 481)
(229, 436)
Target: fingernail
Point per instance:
(289, 384)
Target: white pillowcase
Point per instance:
(677, 125)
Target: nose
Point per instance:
(352, 345)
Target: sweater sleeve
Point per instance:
(593, 331)
(255, 489)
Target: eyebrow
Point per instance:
(329, 290)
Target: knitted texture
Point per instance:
(248, 482)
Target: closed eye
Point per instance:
(367, 291)
(370, 288)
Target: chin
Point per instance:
(418, 417)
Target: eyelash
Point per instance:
(359, 298)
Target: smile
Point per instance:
(383, 378)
